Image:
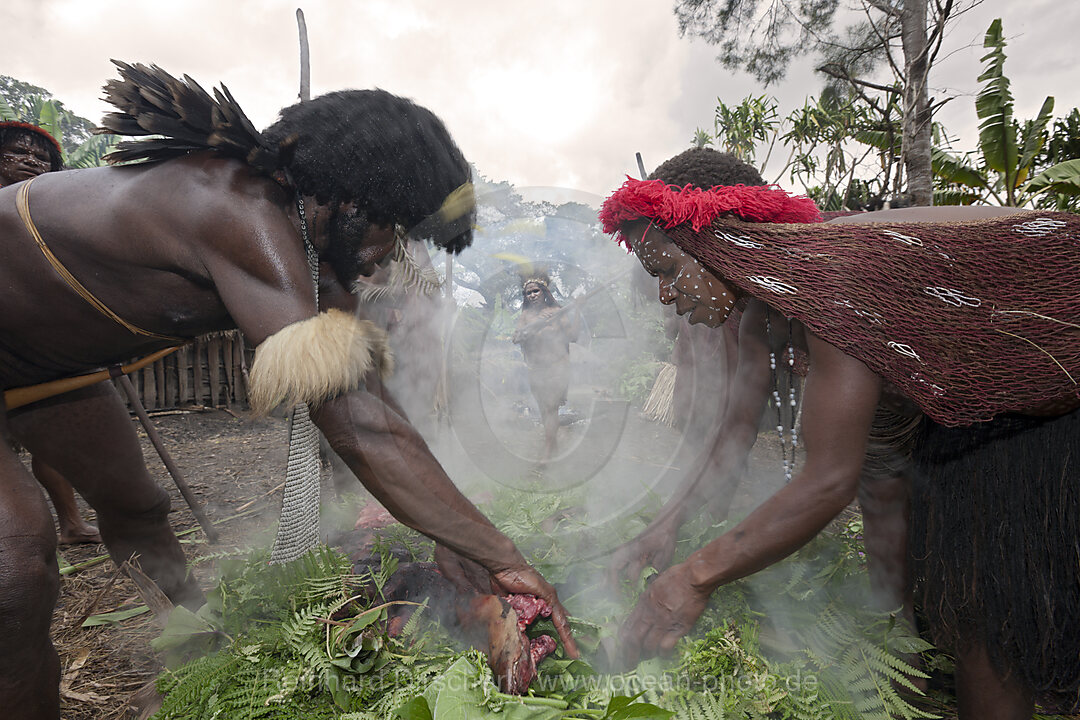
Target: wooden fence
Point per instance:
(211, 372)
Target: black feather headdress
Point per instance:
(181, 117)
(391, 158)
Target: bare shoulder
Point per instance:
(951, 213)
(189, 216)
(844, 373)
(211, 187)
(177, 197)
(215, 207)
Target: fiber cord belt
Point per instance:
(22, 204)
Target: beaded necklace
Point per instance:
(789, 463)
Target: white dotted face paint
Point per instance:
(696, 293)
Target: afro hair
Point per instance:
(706, 168)
(388, 155)
(390, 158)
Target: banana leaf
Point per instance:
(954, 170)
(6, 113)
(1062, 178)
(1033, 137)
(49, 120)
(994, 106)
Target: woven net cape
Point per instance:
(968, 319)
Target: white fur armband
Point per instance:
(315, 359)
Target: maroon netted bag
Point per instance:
(969, 319)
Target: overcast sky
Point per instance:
(546, 93)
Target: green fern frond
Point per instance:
(699, 707)
(872, 674)
(409, 630)
(194, 686)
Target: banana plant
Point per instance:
(6, 113)
(91, 152)
(1062, 179)
(1008, 151)
(49, 115)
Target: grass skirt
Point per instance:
(995, 543)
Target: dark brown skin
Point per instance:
(21, 158)
(179, 248)
(840, 396)
(73, 529)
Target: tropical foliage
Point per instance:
(1009, 167)
(836, 149)
(846, 154)
(881, 55)
(300, 641)
(29, 103)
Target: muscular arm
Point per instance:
(838, 407)
(388, 453)
(715, 474)
(270, 288)
(263, 279)
(839, 400)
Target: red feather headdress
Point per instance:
(668, 205)
(34, 129)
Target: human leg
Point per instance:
(982, 693)
(549, 416)
(87, 436)
(29, 585)
(885, 505)
(73, 529)
(549, 385)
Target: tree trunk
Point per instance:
(917, 117)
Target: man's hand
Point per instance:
(666, 611)
(467, 576)
(527, 580)
(654, 547)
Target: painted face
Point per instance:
(21, 159)
(696, 293)
(533, 293)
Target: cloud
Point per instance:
(537, 93)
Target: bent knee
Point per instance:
(29, 583)
(149, 509)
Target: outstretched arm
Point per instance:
(397, 467)
(269, 294)
(715, 474)
(840, 396)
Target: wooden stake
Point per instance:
(305, 64)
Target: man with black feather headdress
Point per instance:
(218, 226)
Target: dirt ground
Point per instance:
(235, 467)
